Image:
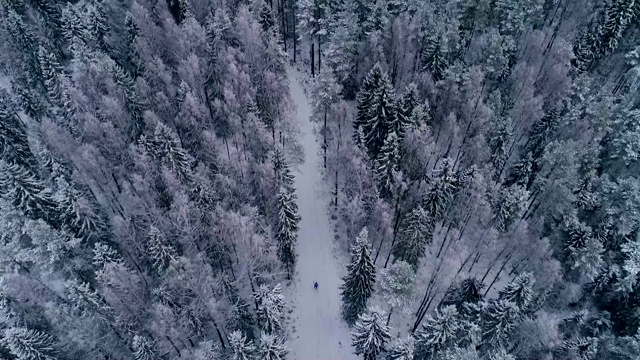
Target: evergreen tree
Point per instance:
(415, 233)
(519, 291)
(77, 213)
(99, 25)
(358, 283)
(387, 165)
(521, 172)
(161, 252)
(396, 285)
(133, 102)
(270, 308)
(511, 203)
(242, 318)
(50, 71)
(501, 354)
(272, 347)
(408, 102)
(143, 348)
(241, 348)
(133, 64)
(370, 335)
(444, 330)
(26, 191)
(497, 320)
(287, 228)
(435, 58)
(26, 344)
(165, 147)
(499, 141)
(468, 291)
(85, 299)
(342, 48)
(444, 184)
(207, 350)
(618, 17)
(284, 178)
(376, 110)
(402, 349)
(14, 146)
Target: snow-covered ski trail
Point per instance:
(317, 331)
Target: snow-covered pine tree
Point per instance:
(272, 347)
(359, 281)
(21, 187)
(497, 320)
(14, 146)
(501, 354)
(77, 213)
(468, 291)
(521, 173)
(165, 147)
(131, 56)
(50, 70)
(519, 291)
(283, 170)
(241, 348)
(85, 299)
(396, 286)
(445, 329)
(29, 344)
(402, 349)
(143, 348)
(207, 350)
(618, 16)
(99, 25)
(287, 228)
(408, 102)
(270, 307)
(499, 141)
(104, 254)
(435, 58)
(415, 233)
(444, 184)
(241, 316)
(342, 46)
(370, 336)
(134, 105)
(376, 110)
(387, 165)
(160, 250)
(511, 203)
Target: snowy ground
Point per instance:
(317, 330)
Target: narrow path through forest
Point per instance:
(317, 330)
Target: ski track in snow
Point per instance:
(318, 331)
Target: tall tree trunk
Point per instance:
(389, 316)
(313, 60)
(284, 26)
(295, 38)
(319, 54)
(324, 133)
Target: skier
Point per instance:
(315, 285)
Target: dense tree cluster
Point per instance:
(486, 144)
(142, 212)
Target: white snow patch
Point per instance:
(317, 330)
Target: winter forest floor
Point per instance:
(317, 330)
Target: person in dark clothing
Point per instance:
(315, 285)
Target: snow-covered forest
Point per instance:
(462, 178)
